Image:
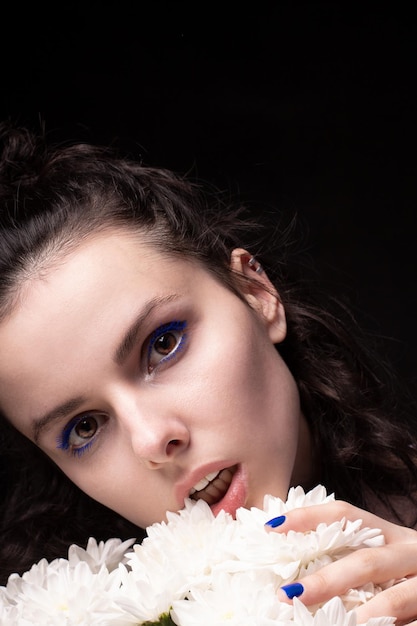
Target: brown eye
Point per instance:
(86, 428)
(165, 344)
(81, 432)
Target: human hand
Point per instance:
(396, 560)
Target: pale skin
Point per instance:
(139, 375)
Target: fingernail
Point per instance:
(276, 521)
(293, 590)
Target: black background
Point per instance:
(306, 106)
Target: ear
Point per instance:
(260, 293)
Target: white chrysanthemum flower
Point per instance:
(212, 570)
(12, 616)
(297, 497)
(235, 600)
(187, 547)
(67, 595)
(144, 600)
(109, 553)
(274, 506)
(37, 576)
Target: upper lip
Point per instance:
(183, 488)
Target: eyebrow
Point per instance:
(60, 411)
(121, 353)
(129, 339)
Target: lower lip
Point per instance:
(235, 497)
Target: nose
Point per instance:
(157, 435)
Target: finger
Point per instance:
(308, 518)
(377, 565)
(399, 601)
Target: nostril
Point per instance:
(172, 447)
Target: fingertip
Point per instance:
(293, 590)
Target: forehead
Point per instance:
(99, 269)
(83, 269)
(90, 263)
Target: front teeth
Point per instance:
(204, 482)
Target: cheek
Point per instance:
(126, 487)
(240, 369)
(261, 394)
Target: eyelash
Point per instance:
(173, 327)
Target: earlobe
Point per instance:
(260, 293)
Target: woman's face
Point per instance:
(143, 378)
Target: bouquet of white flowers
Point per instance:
(194, 569)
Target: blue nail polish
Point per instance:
(276, 521)
(294, 590)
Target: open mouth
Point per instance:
(214, 486)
